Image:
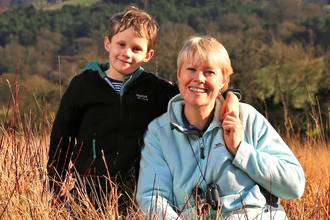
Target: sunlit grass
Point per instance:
(25, 193)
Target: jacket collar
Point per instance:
(102, 67)
(174, 110)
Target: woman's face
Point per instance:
(199, 83)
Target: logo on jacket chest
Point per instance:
(218, 145)
(142, 97)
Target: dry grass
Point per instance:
(314, 157)
(313, 153)
(24, 191)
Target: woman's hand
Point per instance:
(230, 104)
(232, 127)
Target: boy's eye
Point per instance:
(121, 44)
(136, 49)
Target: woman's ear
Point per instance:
(178, 74)
(107, 43)
(224, 80)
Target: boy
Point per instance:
(106, 109)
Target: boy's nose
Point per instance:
(127, 52)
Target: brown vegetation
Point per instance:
(314, 157)
(24, 192)
(278, 68)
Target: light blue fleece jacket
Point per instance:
(171, 166)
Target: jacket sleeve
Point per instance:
(155, 181)
(237, 92)
(63, 135)
(266, 158)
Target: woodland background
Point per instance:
(279, 50)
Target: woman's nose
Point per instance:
(200, 77)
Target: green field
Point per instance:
(71, 2)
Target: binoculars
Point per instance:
(209, 198)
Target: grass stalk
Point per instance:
(25, 192)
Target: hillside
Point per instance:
(279, 50)
(42, 4)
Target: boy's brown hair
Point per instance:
(143, 25)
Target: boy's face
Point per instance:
(199, 83)
(126, 53)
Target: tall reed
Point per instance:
(25, 193)
(313, 153)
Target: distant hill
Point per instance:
(48, 5)
(59, 5)
(279, 48)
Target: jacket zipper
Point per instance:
(202, 152)
(202, 148)
(121, 93)
(94, 146)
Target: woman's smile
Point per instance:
(197, 90)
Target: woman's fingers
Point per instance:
(230, 104)
(233, 127)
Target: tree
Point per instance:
(291, 78)
(171, 38)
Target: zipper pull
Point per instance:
(202, 154)
(94, 147)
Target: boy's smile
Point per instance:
(126, 53)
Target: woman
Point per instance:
(194, 164)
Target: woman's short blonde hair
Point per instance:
(210, 52)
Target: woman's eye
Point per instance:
(210, 72)
(191, 69)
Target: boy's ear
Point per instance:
(148, 56)
(107, 43)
